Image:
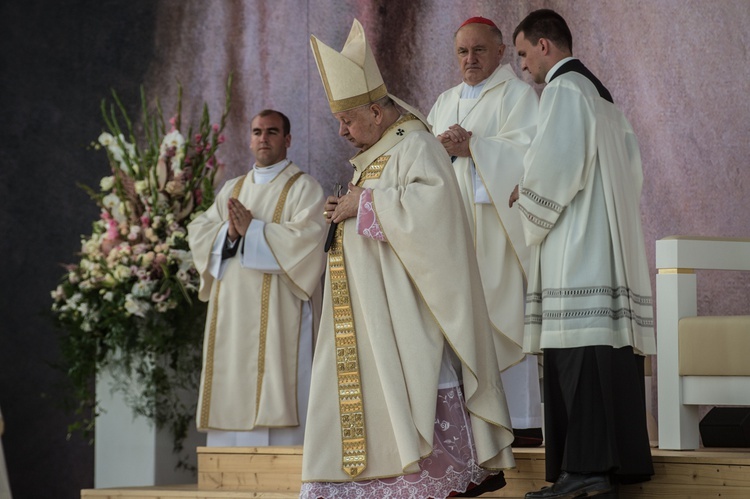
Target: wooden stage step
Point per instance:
(274, 473)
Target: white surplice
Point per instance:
(579, 202)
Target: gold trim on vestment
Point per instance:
(341, 105)
(373, 171)
(351, 403)
(210, 347)
(351, 400)
(351, 397)
(321, 67)
(266, 296)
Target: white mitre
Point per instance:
(351, 77)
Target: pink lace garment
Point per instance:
(451, 467)
(367, 222)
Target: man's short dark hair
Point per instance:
(545, 23)
(268, 112)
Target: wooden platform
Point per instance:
(274, 473)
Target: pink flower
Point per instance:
(216, 128)
(198, 137)
(211, 162)
(145, 220)
(173, 121)
(198, 194)
(160, 297)
(221, 139)
(112, 230)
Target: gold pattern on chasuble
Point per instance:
(351, 401)
(266, 295)
(211, 346)
(374, 170)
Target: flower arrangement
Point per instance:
(130, 303)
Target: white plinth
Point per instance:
(130, 451)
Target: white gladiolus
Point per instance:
(106, 183)
(106, 139)
(142, 289)
(141, 186)
(135, 306)
(176, 140)
(111, 201)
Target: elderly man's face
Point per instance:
(358, 126)
(479, 52)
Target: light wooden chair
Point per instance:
(701, 360)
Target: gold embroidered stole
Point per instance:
(351, 403)
(265, 296)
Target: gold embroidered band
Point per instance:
(348, 103)
(351, 403)
(351, 400)
(265, 297)
(374, 170)
(211, 344)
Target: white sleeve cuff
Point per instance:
(256, 253)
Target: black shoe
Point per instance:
(527, 437)
(494, 482)
(574, 485)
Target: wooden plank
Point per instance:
(278, 450)
(277, 482)
(258, 463)
(274, 473)
(181, 492)
(718, 475)
(650, 490)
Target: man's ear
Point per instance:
(544, 46)
(288, 140)
(377, 113)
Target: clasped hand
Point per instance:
(239, 219)
(338, 209)
(455, 140)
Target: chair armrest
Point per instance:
(695, 252)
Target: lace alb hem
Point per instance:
(414, 486)
(451, 467)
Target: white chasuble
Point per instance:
(502, 120)
(249, 376)
(589, 282)
(408, 297)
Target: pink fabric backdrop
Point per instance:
(677, 68)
